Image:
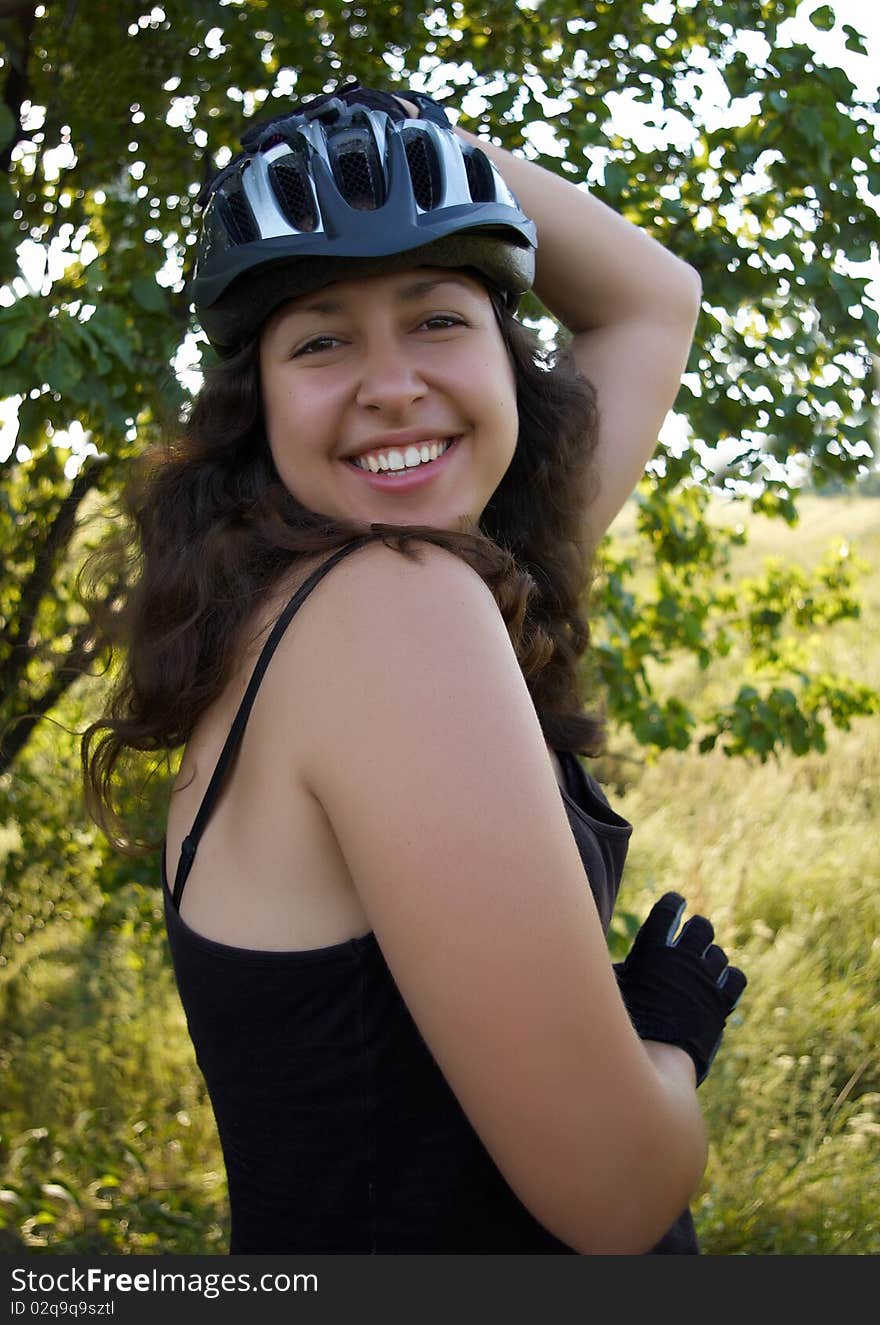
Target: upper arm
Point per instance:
(429, 761)
(635, 363)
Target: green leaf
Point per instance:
(823, 19)
(148, 295)
(855, 41)
(12, 338)
(62, 369)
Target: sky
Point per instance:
(864, 15)
(864, 71)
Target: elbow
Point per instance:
(680, 303)
(655, 1193)
(639, 1213)
(637, 1199)
(690, 291)
(635, 1231)
(673, 301)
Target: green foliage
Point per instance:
(104, 1074)
(868, 485)
(695, 601)
(781, 853)
(122, 115)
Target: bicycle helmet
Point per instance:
(349, 183)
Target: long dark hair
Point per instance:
(211, 529)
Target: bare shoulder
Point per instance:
(425, 571)
(379, 608)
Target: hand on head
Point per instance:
(353, 182)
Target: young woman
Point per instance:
(386, 915)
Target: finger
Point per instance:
(733, 982)
(715, 959)
(411, 110)
(696, 936)
(663, 919)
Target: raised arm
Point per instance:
(630, 305)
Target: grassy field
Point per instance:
(107, 1142)
(784, 858)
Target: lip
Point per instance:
(405, 480)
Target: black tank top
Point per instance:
(339, 1132)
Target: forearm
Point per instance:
(675, 1136)
(675, 1066)
(594, 269)
(676, 1074)
(657, 1137)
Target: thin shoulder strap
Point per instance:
(191, 841)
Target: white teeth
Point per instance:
(408, 459)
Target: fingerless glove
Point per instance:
(679, 990)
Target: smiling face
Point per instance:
(398, 367)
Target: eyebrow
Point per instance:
(407, 294)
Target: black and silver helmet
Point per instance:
(352, 183)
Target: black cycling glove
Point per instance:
(350, 95)
(679, 990)
(355, 95)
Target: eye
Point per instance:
(442, 322)
(316, 345)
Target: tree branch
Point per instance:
(16, 8)
(17, 85)
(55, 543)
(17, 732)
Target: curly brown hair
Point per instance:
(211, 529)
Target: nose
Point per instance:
(389, 380)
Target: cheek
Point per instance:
(293, 415)
(506, 396)
(492, 384)
(279, 414)
(270, 397)
(277, 406)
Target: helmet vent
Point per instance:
(238, 219)
(293, 193)
(356, 183)
(479, 177)
(420, 171)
